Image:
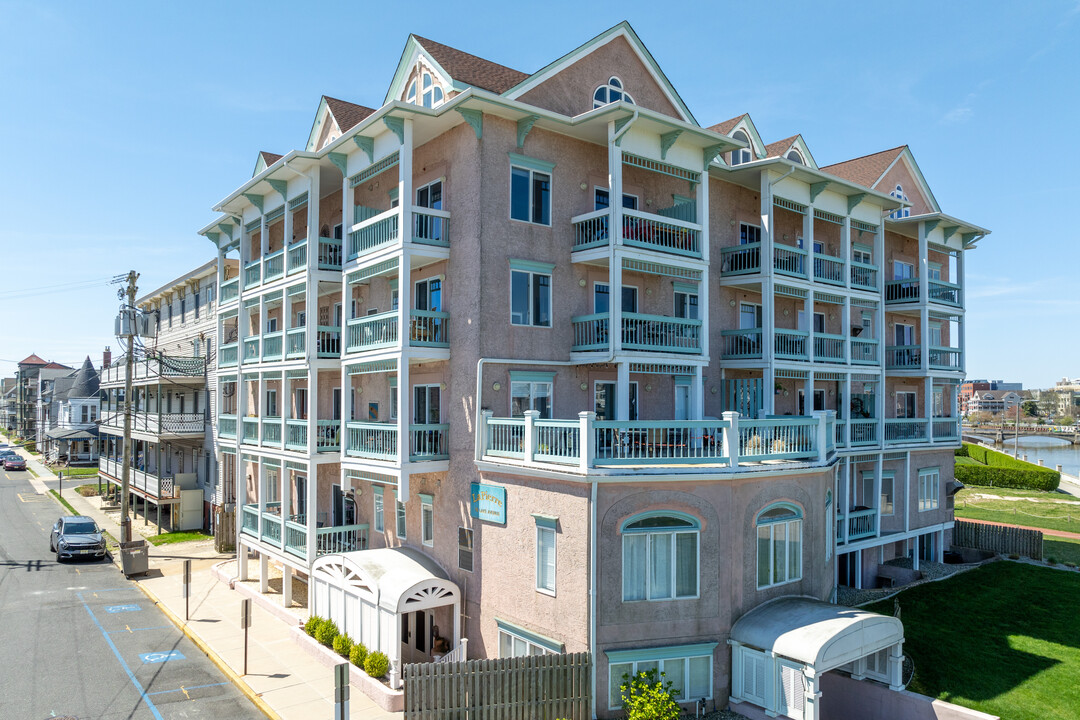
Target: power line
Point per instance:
(38, 289)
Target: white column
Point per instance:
(772, 672)
(622, 390)
(924, 299)
(845, 325)
(896, 666)
(314, 193)
(808, 311)
(395, 653)
(703, 295)
(848, 501)
(768, 301)
(288, 232)
(813, 695)
(697, 394)
(264, 573)
(731, 437)
(808, 242)
(845, 249)
(286, 581)
(264, 237)
(961, 330)
(615, 188)
(588, 439)
(312, 510)
(404, 389)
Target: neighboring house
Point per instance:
(31, 373)
(994, 401)
(591, 376)
(73, 406)
(173, 391)
(9, 399)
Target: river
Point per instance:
(1051, 451)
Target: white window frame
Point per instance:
(742, 155)
(527, 320)
(673, 560)
(543, 532)
(533, 385)
(616, 671)
(400, 524)
(599, 188)
(603, 284)
(532, 173)
(378, 511)
(426, 282)
(464, 532)
(744, 234)
(530, 647)
(688, 303)
(427, 521)
(793, 522)
(613, 85)
(929, 489)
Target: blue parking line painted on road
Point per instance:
(113, 609)
(152, 658)
(183, 689)
(131, 676)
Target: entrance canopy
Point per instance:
(816, 633)
(368, 592)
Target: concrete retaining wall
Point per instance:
(842, 698)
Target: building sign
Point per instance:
(488, 503)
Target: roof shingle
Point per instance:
(348, 115)
(727, 126)
(472, 70)
(865, 170)
(778, 148)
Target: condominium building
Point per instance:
(174, 461)
(539, 362)
(32, 373)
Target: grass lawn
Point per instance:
(1002, 639)
(1050, 511)
(87, 490)
(1063, 550)
(965, 460)
(77, 472)
(178, 537)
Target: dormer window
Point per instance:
(899, 194)
(794, 156)
(430, 94)
(611, 92)
(741, 155)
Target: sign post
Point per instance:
(187, 589)
(60, 475)
(341, 691)
(245, 622)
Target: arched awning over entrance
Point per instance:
(781, 649)
(366, 592)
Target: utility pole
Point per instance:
(128, 311)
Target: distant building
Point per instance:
(994, 401)
(71, 406)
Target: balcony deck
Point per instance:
(155, 423)
(290, 535)
(651, 333)
(156, 486)
(188, 370)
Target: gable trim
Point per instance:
(916, 172)
(623, 30)
(412, 52)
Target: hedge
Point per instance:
(1045, 480)
(993, 458)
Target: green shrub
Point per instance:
(1051, 560)
(312, 625)
(376, 664)
(358, 655)
(648, 697)
(326, 632)
(1014, 556)
(961, 451)
(343, 645)
(1045, 480)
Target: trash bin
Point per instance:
(134, 557)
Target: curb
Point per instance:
(236, 680)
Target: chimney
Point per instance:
(106, 358)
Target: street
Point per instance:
(81, 641)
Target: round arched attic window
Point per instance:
(611, 92)
(795, 157)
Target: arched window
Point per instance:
(611, 92)
(430, 94)
(741, 155)
(660, 556)
(779, 545)
(899, 194)
(795, 157)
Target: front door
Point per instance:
(606, 399)
(682, 402)
(416, 636)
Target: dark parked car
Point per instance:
(14, 462)
(76, 536)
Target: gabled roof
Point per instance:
(623, 29)
(56, 366)
(347, 115)
(33, 360)
(781, 148)
(728, 125)
(470, 69)
(265, 160)
(868, 169)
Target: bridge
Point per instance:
(1001, 433)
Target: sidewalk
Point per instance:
(283, 680)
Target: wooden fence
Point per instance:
(535, 687)
(1001, 539)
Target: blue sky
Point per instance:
(123, 123)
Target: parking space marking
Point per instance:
(128, 628)
(131, 676)
(186, 689)
(30, 497)
(113, 609)
(153, 658)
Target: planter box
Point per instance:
(382, 695)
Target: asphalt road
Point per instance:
(78, 640)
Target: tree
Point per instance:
(1030, 408)
(646, 697)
